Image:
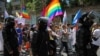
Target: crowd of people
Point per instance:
(41, 40)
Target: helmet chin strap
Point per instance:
(85, 19)
(89, 13)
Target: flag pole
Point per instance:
(5, 15)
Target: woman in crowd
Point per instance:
(1, 40)
(52, 43)
(64, 38)
(95, 40)
(19, 32)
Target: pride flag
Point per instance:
(17, 14)
(52, 10)
(24, 13)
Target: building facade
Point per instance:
(2, 8)
(16, 6)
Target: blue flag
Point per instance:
(77, 16)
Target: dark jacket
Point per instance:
(41, 37)
(10, 38)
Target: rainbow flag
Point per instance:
(52, 10)
(24, 13)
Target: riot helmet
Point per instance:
(9, 22)
(42, 23)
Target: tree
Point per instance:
(35, 5)
(30, 7)
(91, 2)
(9, 7)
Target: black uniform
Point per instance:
(40, 39)
(10, 38)
(83, 37)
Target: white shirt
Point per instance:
(73, 34)
(31, 34)
(96, 34)
(54, 34)
(69, 32)
(71, 38)
(1, 41)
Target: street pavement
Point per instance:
(64, 54)
(98, 53)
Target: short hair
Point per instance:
(68, 24)
(0, 23)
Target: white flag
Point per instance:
(6, 14)
(20, 20)
(65, 18)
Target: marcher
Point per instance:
(96, 40)
(70, 47)
(10, 38)
(64, 38)
(52, 43)
(73, 37)
(25, 33)
(19, 32)
(1, 40)
(32, 30)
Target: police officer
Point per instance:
(10, 38)
(40, 39)
(83, 35)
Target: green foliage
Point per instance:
(38, 5)
(91, 2)
(9, 7)
(35, 5)
(30, 6)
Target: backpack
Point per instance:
(34, 41)
(34, 38)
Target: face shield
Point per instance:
(9, 22)
(42, 23)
